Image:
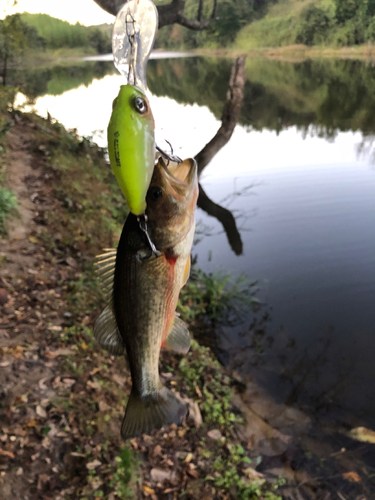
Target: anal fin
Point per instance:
(106, 332)
(178, 338)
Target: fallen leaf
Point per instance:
(6, 453)
(42, 384)
(69, 381)
(119, 380)
(362, 434)
(195, 413)
(160, 475)
(55, 328)
(58, 352)
(94, 385)
(352, 476)
(103, 407)
(31, 423)
(41, 412)
(93, 465)
(188, 458)
(253, 474)
(148, 490)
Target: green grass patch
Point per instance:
(8, 204)
(216, 297)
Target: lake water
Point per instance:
(298, 175)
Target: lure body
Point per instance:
(131, 145)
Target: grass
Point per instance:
(216, 297)
(8, 204)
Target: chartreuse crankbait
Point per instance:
(131, 137)
(131, 145)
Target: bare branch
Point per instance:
(229, 117)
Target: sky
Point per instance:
(86, 12)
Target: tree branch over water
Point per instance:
(172, 13)
(229, 119)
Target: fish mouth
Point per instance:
(181, 176)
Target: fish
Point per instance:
(144, 287)
(131, 145)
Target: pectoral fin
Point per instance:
(178, 338)
(107, 333)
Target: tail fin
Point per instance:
(151, 412)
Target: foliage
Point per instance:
(15, 37)
(315, 24)
(216, 297)
(126, 466)
(58, 33)
(231, 16)
(8, 203)
(229, 478)
(208, 384)
(324, 22)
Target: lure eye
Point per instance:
(140, 105)
(155, 193)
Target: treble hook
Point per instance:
(170, 157)
(142, 221)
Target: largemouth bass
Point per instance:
(141, 318)
(131, 145)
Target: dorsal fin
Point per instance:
(105, 270)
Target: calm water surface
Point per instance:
(299, 177)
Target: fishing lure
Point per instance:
(131, 129)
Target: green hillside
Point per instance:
(311, 22)
(58, 33)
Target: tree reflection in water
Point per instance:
(231, 112)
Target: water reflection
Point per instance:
(57, 79)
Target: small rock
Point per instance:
(214, 434)
(160, 475)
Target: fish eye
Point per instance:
(140, 105)
(155, 193)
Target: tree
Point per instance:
(172, 13)
(12, 41)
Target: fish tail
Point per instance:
(143, 414)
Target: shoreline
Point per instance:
(295, 53)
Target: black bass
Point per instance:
(140, 317)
